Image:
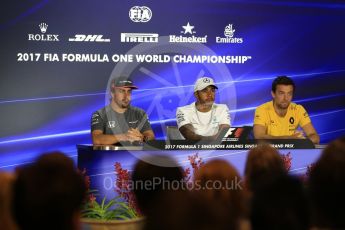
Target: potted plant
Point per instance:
(113, 214)
(121, 212)
(117, 213)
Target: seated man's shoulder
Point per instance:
(299, 110)
(221, 106)
(98, 120)
(266, 106)
(186, 108)
(295, 106)
(99, 112)
(136, 110)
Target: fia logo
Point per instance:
(140, 14)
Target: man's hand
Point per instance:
(260, 133)
(298, 135)
(134, 135)
(188, 133)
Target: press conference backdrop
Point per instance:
(57, 58)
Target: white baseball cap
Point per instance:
(203, 82)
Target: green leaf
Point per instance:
(116, 208)
(122, 217)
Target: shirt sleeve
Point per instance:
(146, 123)
(96, 122)
(225, 116)
(303, 115)
(181, 118)
(260, 117)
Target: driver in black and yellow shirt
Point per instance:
(280, 118)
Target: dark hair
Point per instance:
(121, 81)
(48, 193)
(184, 210)
(232, 199)
(327, 186)
(282, 80)
(280, 204)
(152, 169)
(263, 165)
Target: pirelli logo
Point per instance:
(138, 37)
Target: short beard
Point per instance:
(121, 105)
(281, 107)
(124, 106)
(206, 104)
(209, 103)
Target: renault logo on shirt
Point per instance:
(291, 120)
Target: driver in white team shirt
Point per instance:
(203, 119)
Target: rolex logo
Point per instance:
(43, 27)
(43, 36)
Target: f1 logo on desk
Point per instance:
(234, 132)
(237, 133)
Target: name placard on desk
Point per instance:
(227, 145)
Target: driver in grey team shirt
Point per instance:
(119, 121)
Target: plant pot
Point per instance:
(132, 224)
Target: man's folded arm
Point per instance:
(149, 135)
(260, 132)
(98, 138)
(311, 133)
(188, 133)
